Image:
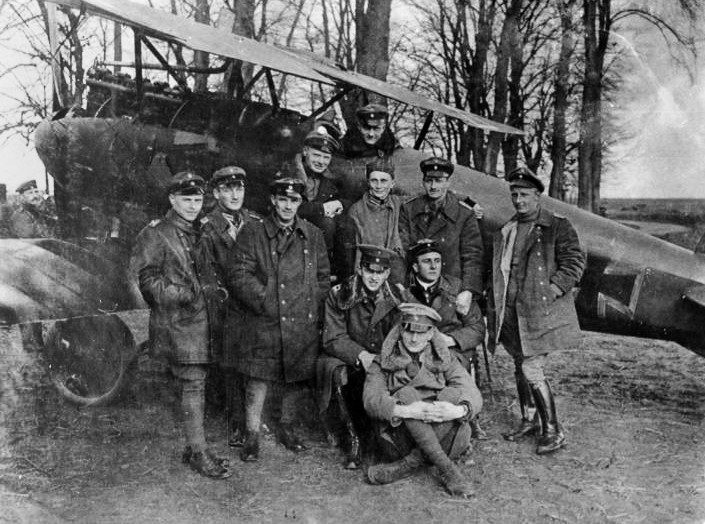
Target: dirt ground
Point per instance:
(632, 409)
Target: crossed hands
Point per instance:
(438, 411)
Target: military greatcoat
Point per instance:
(28, 221)
(552, 256)
(455, 229)
(177, 281)
(283, 295)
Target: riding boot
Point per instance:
(529, 423)
(354, 455)
(552, 437)
(427, 440)
(393, 471)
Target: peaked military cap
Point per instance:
(287, 186)
(385, 165)
(187, 183)
(322, 140)
(523, 177)
(436, 167)
(26, 186)
(423, 246)
(417, 317)
(376, 258)
(372, 112)
(228, 175)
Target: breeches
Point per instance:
(531, 367)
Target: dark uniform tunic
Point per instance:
(455, 229)
(177, 281)
(354, 322)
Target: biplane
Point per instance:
(111, 160)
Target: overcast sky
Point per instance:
(662, 157)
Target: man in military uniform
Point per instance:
(439, 215)
(219, 230)
(376, 215)
(280, 274)
(537, 261)
(323, 204)
(422, 397)
(177, 281)
(370, 139)
(429, 286)
(359, 313)
(31, 219)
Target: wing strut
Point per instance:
(329, 103)
(164, 63)
(272, 91)
(424, 130)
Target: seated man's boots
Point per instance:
(454, 481)
(529, 423)
(286, 435)
(393, 471)
(477, 432)
(250, 449)
(353, 457)
(552, 437)
(208, 466)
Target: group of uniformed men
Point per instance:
(393, 341)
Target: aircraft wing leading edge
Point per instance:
(201, 37)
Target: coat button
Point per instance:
(282, 286)
(305, 251)
(284, 318)
(283, 302)
(544, 298)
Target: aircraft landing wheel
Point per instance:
(88, 358)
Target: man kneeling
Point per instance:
(423, 399)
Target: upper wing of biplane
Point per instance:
(201, 37)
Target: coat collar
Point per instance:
(271, 226)
(450, 209)
(351, 293)
(545, 218)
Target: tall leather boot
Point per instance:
(453, 480)
(393, 471)
(552, 437)
(354, 455)
(529, 424)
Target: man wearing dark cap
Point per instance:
(219, 230)
(322, 203)
(423, 398)
(440, 215)
(537, 261)
(359, 313)
(369, 139)
(31, 219)
(178, 282)
(280, 273)
(376, 215)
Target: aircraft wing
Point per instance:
(201, 37)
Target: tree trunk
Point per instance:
(596, 20)
(240, 73)
(371, 49)
(505, 55)
(559, 142)
(200, 58)
(472, 142)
